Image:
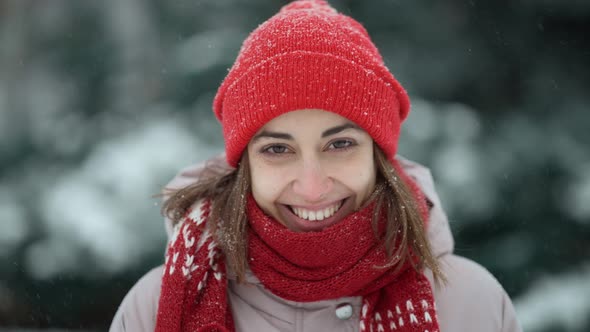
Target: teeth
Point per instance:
(316, 215)
(320, 214)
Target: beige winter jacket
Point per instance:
(471, 301)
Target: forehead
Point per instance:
(307, 118)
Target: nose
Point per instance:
(312, 182)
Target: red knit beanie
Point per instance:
(308, 56)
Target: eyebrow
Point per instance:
(285, 136)
(272, 134)
(336, 130)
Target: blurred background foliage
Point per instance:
(102, 102)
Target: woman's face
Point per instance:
(311, 168)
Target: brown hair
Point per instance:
(404, 238)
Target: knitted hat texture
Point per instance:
(309, 56)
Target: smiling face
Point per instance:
(311, 168)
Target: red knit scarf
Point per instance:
(336, 262)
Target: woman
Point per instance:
(315, 225)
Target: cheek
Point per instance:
(363, 184)
(360, 177)
(266, 185)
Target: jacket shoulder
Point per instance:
(139, 308)
(472, 299)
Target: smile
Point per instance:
(316, 214)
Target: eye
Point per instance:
(274, 149)
(341, 144)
